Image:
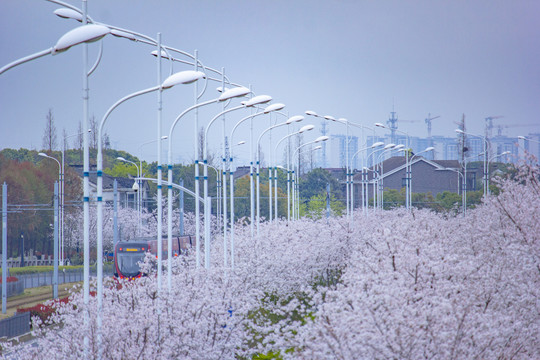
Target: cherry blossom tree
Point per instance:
(395, 284)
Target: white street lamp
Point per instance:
(407, 166)
(293, 119)
(493, 158)
(79, 35)
(227, 95)
(251, 102)
(184, 77)
(364, 195)
(317, 140)
(485, 179)
(288, 122)
(136, 187)
(428, 149)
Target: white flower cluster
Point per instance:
(395, 285)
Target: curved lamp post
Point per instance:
(485, 179)
(317, 140)
(375, 174)
(79, 35)
(288, 122)
(270, 108)
(428, 149)
(348, 175)
(57, 230)
(138, 183)
(364, 207)
(184, 77)
(227, 95)
(250, 103)
(407, 166)
(380, 173)
(490, 160)
(293, 119)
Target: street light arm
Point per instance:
(25, 59)
(178, 119)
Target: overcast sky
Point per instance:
(350, 58)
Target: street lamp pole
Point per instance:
(490, 160)
(375, 145)
(293, 119)
(485, 179)
(226, 95)
(319, 139)
(428, 149)
(407, 166)
(138, 205)
(184, 77)
(249, 103)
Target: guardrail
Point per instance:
(67, 276)
(16, 325)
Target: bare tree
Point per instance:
(94, 134)
(79, 138)
(49, 135)
(210, 155)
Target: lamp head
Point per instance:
(66, 13)
(316, 148)
(273, 107)
(163, 54)
(322, 138)
(377, 144)
(120, 158)
(234, 92)
(128, 36)
(400, 146)
(389, 146)
(241, 142)
(312, 113)
(380, 125)
(79, 35)
(328, 117)
(306, 128)
(430, 148)
(257, 100)
(459, 131)
(296, 118)
(182, 77)
(521, 137)
(43, 154)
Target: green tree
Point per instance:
(314, 183)
(315, 208)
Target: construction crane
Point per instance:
(489, 124)
(428, 122)
(392, 124)
(501, 127)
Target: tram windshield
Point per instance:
(128, 264)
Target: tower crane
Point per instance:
(428, 122)
(501, 127)
(489, 124)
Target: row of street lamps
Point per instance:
(91, 31)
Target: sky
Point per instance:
(350, 59)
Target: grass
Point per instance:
(30, 292)
(14, 271)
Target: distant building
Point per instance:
(427, 176)
(337, 151)
(127, 196)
